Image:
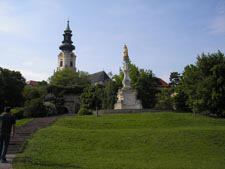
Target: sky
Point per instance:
(162, 35)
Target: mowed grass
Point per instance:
(135, 141)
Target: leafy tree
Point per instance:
(165, 99)
(174, 79)
(108, 97)
(92, 97)
(35, 108)
(68, 77)
(34, 92)
(179, 99)
(11, 87)
(204, 84)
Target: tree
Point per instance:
(109, 95)
(34, 92)
(92, 97)
(204, 84)
(35, 108)
(68, 77)
(174, 79)
(180, 99)
(164, 99)
(11, 87)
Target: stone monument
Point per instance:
(127, 96)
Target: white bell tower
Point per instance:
(67, 58)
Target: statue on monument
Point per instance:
(125, 53)
(127, 96)
(126, 80)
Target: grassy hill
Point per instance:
(135, 141)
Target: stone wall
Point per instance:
(72, 103)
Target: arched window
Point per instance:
(61, 63)
(71, 63)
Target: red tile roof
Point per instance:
(163, 83)
(32, 83)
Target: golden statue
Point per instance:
(125, 53)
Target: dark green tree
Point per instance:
(174, 79)
(204, 84)
(68, 77)
(180, 99)
(108, 97)
(34, 92)
(165, 99)
(92, 97)
(11, 87)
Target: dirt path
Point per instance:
(22, 134)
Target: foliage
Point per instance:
(204, 84)
(61, 109)
(60, 90)
(34, 92)
(68, 77)
(50, 108)
(100, 96)
(18, 112)
(34, 108)
(134, 141)
(11, 87)
(145, 83)
(91, 97)
(108, 95)
(180, 99)
(164, 99)
(174, 79)
(34, 101)
(84, 111)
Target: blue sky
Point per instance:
(161, 35)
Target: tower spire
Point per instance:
(67, 43)
(68, 25)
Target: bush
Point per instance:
(18, 112)
(164, 100)
(84, 111)
(50, 108)
(61, 110)
(34, 108)
(180, 102)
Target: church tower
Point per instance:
(67, 58)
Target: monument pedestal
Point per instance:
(127, 99)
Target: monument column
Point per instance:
(127, 96)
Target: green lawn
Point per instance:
(22, 122)
(135, 141)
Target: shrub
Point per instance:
(18, 112)
(34, 108)
(61, 110)
(84, 111)
(50, 108)
(164, 100)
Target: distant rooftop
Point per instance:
(98, 77)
